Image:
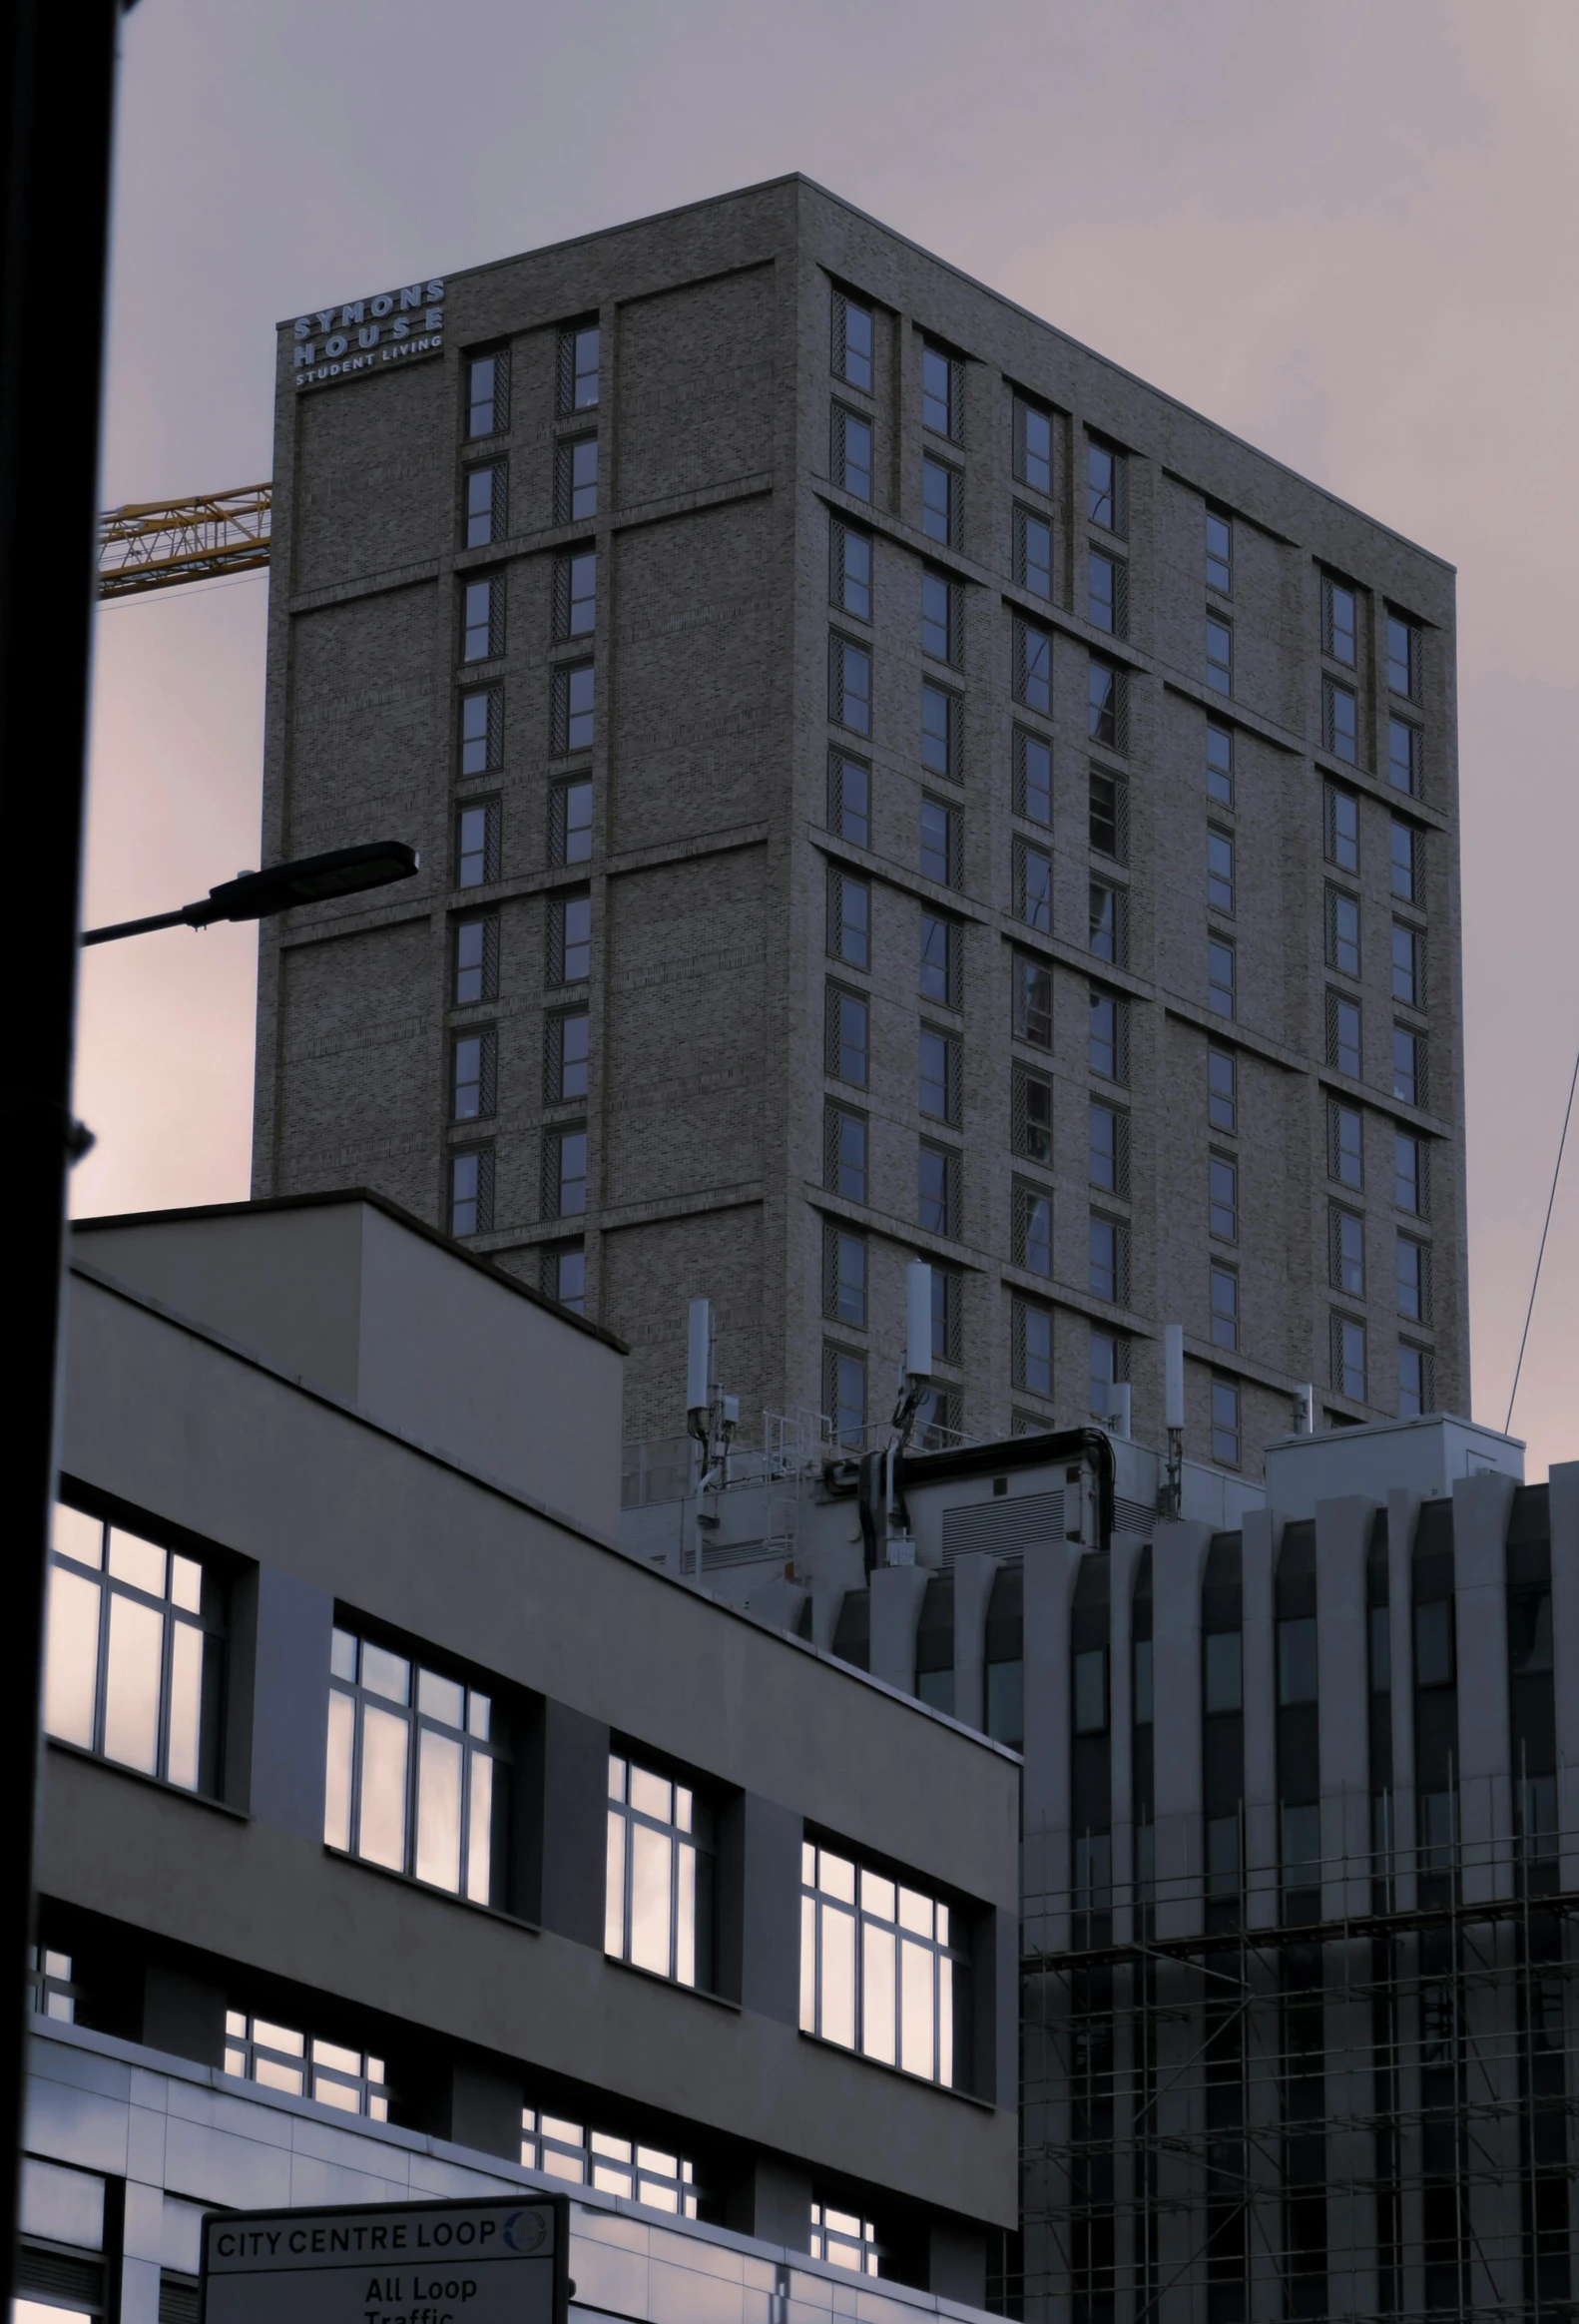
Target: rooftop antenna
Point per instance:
(1174, 1417)
(711, 1419)
(915, 1379)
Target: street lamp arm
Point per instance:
(261, 894)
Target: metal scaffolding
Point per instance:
(157, 545)
(1348, 2118)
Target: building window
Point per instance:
(1411, 1083)
(1339, 623)
(566, 1055)
(569, 940)
(851, 458)
(1405, 861)
(1349, 1357)
(1219, 552)
(281, 2059)
(1404, 756)
(1108, 1255)
(1108, 1148)
(1223, 1196)
(1033, 553)
(471, 1192)
(1219, 655)
(1225, 1307)
(1404, 658)
(879, 1972)
(1031, 1116)
(849, 574)
(942, 395)
(849, 799)
(1300, 1851)
(1033, 447)
(575, 593)
(486, 504)
(1415, 1279)
(658, 1893)
(643, 2175)
(843, 1275)
(845, 1153)
(1225, 1423)
(1033, 886)
(134, 1652)
(853, 342)
(1343, 1052)
(1435, 1658)
(476, 960)
(1089, 1690)
(1107, 931)
(1409, 966)
(848, 917)
(482, 731)
(488, 394)
(1108, 594)
(1346, 1252)
(1218, 764)
(564, 1275)
(940, 847)
(1344, 1145)
(1106, 492)
(843, 2239)
(1033, 1002)
(1033, 667)
(1107, 1036)
(1107, 706)
(482, 619)
(942, 733)
(473, 1075)
(573, 709)
(416, 1778)
(1222, 1672)
(937, 1190)
(940, 622)
(938, 1075)
(1219, 868)
(1033, 777)
(1109, 816)
(1222, 1090)
(1032, 1350)
(942, 498)
(579, 350)
(576, 481)
(1108, 1363)
(1342, 931)
(570, 821)
(51, 1994)
(1219, 975)
(564, 1173)
(1340, 721)
(1416, 1390)
(940, 966)
(1032, 1245)
(844, 1397)
(947, 1306)
(1411, 1184)
(1343, 828)
(849, 685)
(846, 1035)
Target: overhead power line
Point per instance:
(1541, 1253)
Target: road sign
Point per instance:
(389, 2263)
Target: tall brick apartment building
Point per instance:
(888, 782)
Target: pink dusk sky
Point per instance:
(1344, 231)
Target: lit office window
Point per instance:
(134, 1651)
(619, 2167)
(843, 2239)
(879, 1970)
(657, 1897)
(283, 2059)
(415, 1776)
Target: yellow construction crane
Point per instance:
(162, 543)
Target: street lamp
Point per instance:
(259, 894)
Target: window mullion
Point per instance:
(359, 1701)
(167, 1644)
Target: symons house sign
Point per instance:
(345, 343)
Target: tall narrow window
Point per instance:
(478, 844)
(942, 498)
(1107, 1036)
(1344, 1047)
(1104, 489)
(1346, 1252)
(940, 964)
(1107, 825)
(576, 593)
(471, 1192)
(1032, 1348)
(848, 917)
(1411, 1184)
(1109, 1258)
(942, 731)
(564, 1173)
(937, 1086)
(1107, 1148)
(1409, 966)
(1108, 594)
(1221, 977)
(1225, 1307)
(1107, 706)
(849, 577)
(1033, 667)
(849, 799)
(1404, 749)
(937, 1190)
(1403, 656)
(134, 1651)
(576, 481)
(1106, 923)
(1404, 851)
(482, 731)
(1033, 447)
(1033, 1002)
(1033, 777)
(1340, 621)
(1219, 868)
(1222, 1089)
(565, 1275)
(416, 1774)
(1410, 1082)
(485, 506)
(881, 1972)
(940, 842)
(844, 1396)
(843, 1275)
(1032, 1245)
(1416, 1388)
(473, 1075)
(580, 348)
(1349, 1357)
(1342, 931)
(570, 821)
(658, 1892)
(1414, 1275)
(1345, 1144)
(942, 395)
(1220, 764)
(1225, 1423)
(849, 685)
(574, 703)
(852, 454)
(482, 619)
(845, 1037)
(845, 1153)
(567, 1054)
(1033, 886)
(476, 960)
(569, 940)
(1222, 1197)
(853, 342)
(1341, 827)
(1219, 655)
(940, 622)
(1033, 553)
(945, 1315)
(1219, 552)
(1340, 721)
(488, 395)
(1031, 1115)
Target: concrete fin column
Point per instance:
(1482, 1506)
(1563, 1478)
(1342, 1537)
(973, 1577)
(1179, 1554)
(896, 1594)
(1050, 1572)
(1403, 1511)
(1123, 1560)
(1262, 1535)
